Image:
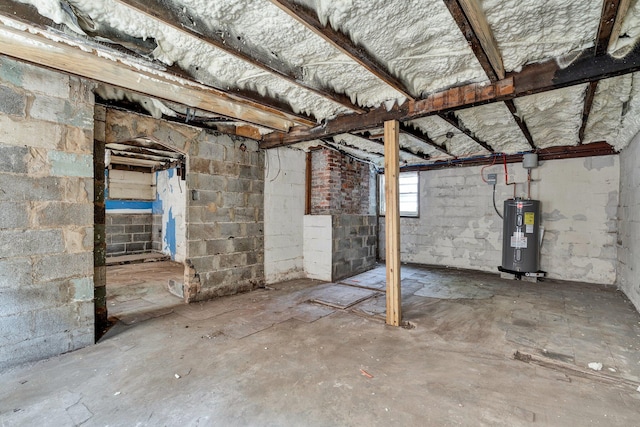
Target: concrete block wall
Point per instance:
(284, 199)
(354, 245)
(46, 213)
(129, 233)
(156, 232)
(458, 227)
(225, 214)
(628, 243)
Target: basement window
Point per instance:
(409, 194)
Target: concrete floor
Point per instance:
(272, 358)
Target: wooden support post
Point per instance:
(392, 220)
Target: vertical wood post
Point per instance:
(99, 227)
(392, 220)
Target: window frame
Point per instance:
(381, 196)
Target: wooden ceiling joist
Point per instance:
(533, 78)
(455, 122)
(588, 103)
(422, 137)
(337, 146)
(621, 6)
(65, 56)
(473, 23)
(520, 122)
(613, 12)
(193, 26)
(342, 42)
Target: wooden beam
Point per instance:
(470, 18)
(552, 153)
(458, 97)
(456, 123)
(607, 22)
(29, 16)
(623, 7)
(586, 110)
(392, 221)
(193, 26)
(112, 67)
(520, 122)
(587, 67)
(343, 43)
(423, 137)
(534, 78)
(473, 23)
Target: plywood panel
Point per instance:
(131, 185)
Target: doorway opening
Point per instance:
(144, 231)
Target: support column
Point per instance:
(99, 228)
(392, 220)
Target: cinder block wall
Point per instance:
(354, 245)
(629, 222)
(129, 233)
(225, 225)
(46, 213)
(458, 226)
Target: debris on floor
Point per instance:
(596, 366)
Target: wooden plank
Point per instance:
(607, 22)
(623, 7)
(455, 122)
(473, 23)
(191, 25)
(131, 185)
(450, 99)
(65, 55)
(392, 221)
(343, 43)
(586, 110)
(122, 160)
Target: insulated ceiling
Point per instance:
(322, 59)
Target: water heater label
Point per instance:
(529, 218)
(518, 240)
(529, 229)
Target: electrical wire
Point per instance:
(494, 202)
(279, 165)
